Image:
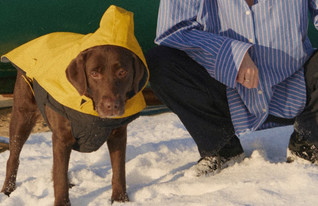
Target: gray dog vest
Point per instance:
(90, 132)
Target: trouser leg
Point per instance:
(304, 140)
(199, 100)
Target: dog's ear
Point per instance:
(75, 73)
(139, 72)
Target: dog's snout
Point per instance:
(109, 107)
(110, 104)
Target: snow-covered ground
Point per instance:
(159, 152)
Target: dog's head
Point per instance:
(109, 75)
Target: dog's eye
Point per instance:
(95, 75)
(121, 73)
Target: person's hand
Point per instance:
(248, 73)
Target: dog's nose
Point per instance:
(109, 107)
(110, 103)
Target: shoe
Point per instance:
(300, 150)
(305, 154)
(209, 166)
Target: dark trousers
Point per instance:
(306, 124)
(199, 100)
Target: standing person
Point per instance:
(227, 68)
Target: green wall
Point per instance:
(23, 20)
(313, 35)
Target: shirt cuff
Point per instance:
(228, 61)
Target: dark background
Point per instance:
(24, 20)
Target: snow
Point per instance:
(159, 151)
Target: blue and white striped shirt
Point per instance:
(218, 33)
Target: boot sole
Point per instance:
(291, 157)
(192, 172)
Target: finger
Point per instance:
(255, 79)
(247, 84)
(248, 78)
(240, 77)
(255, 82)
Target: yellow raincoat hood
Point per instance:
(46, 58)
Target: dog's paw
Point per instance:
(123, 197)
(7, 190)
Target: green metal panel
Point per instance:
(313, 35)
(24, 20)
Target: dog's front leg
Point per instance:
(62, 146)
(117, 150)
(23, 118)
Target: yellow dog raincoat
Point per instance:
(45, 59)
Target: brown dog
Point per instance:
(106, 74)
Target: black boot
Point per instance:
(230, 154)
(300, 149)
